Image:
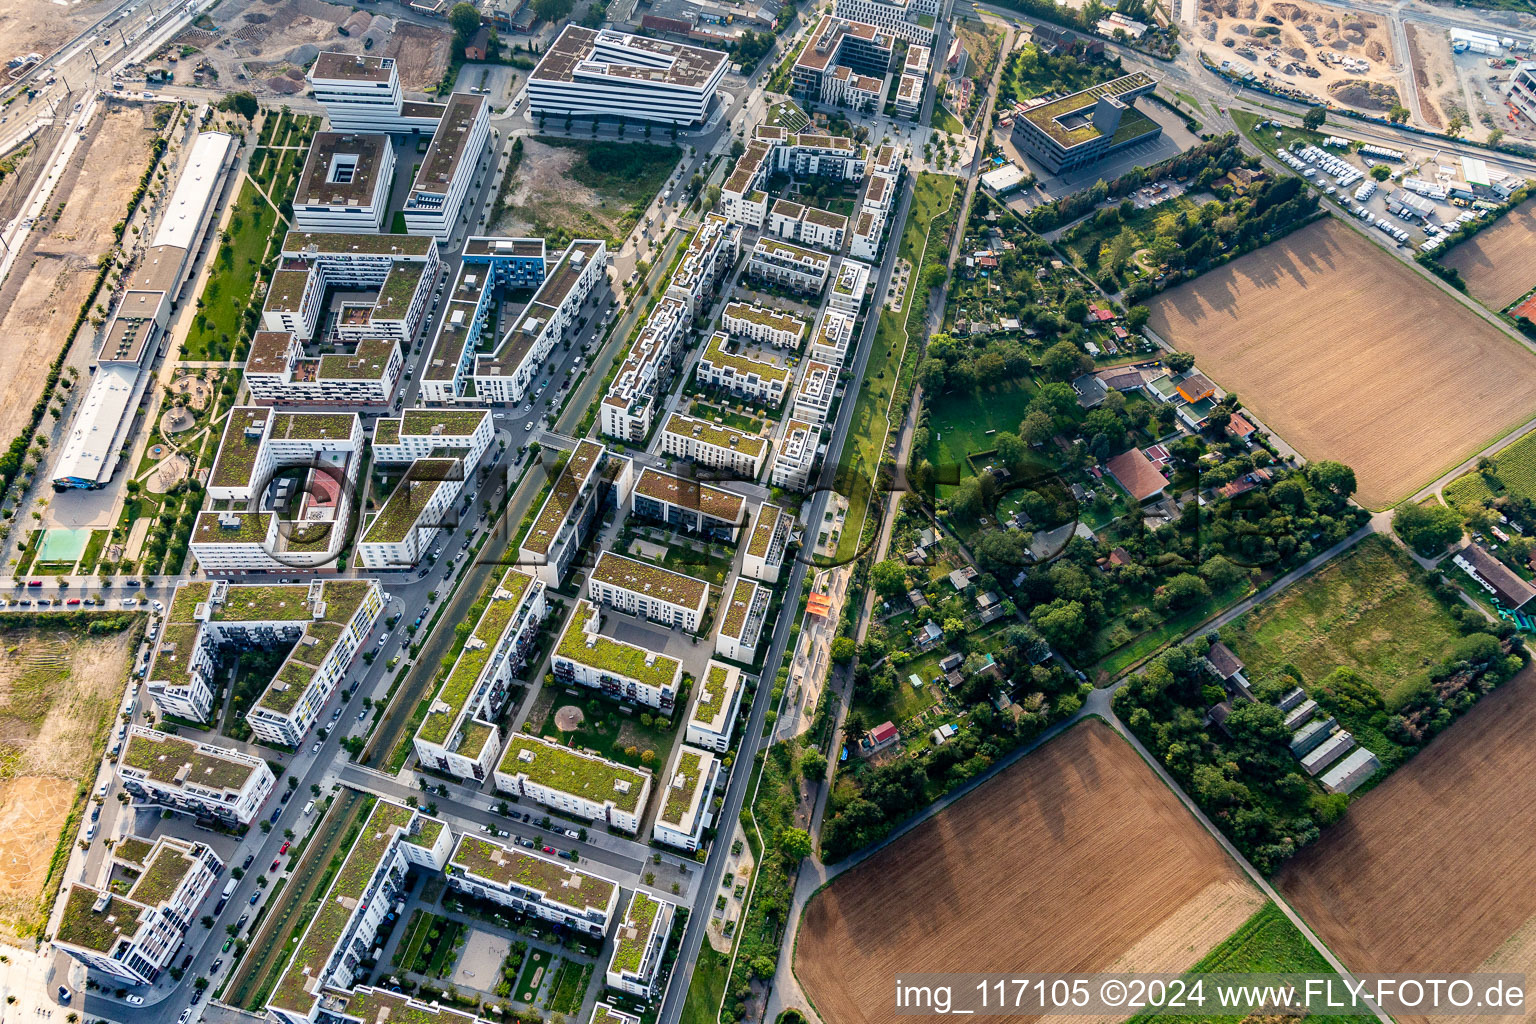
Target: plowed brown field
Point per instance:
(1431, 870)
(1499, 263)
(1348, 354)
(1077, 858)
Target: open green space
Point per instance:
(1369, 610)
(622, 736)
(625, 176)
(535, 974)
(1267, 943)
(215, 330)
(415, 934)
(944, 121)
(962, 424)
(707, 989)
(570, 987)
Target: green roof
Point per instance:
(569, 771)
(161, 876)
(1045, 116)
(313, 426)
(743, 364)
(628, 949)
(366, 362)
(474, 658)
(719, 683)
(163, 756)
(341, 599)
(455, 422)
(762, 531)
(680, 798)
(711, 433)
(236, 460)
(188, 596)
(81, 925)
(294, 990)
(613, 656)
(776, 319)
(376, 1006)
(399, 287)
(475, 733)
(578, 470)
(296, 243)
(511, 866)
(248, 528)
(265, 603)
(386, 432)
(405, 506)
(426, 833)
(133, 850)
(736, 611)
(651, 580)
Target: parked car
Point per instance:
(216, 965)
(254, 897)
(64, 995)
(243, 918)
(248, 859)
(227, 944)
(185, 1016)
(283, 848)
(134, 1000)
(275, 862)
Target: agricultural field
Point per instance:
(1090, 864)
(569, 188)
(1496, 262)
(1367, 610)
(1513, 475)
(1429, 871)
(1428, 382)
(57, 267)
(60, 689)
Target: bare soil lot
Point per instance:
(1430, 871)
(420, 53)
(1350, 355)
(59, 694)
(61, 257)
(581, 189)
(1499, 263)
(1075, 859)
(1434, 74)
(42, 26)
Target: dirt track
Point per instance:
(1075, 859)
(1499, 263)
(60, 258)
(1350, 355)
(1430, 871)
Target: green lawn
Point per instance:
(1267, 943)
(1190, 101)
(958, 424)
(1085, 240)
(1116, 648)
(707, 989)
(944, 121)
(933, 196)
(415, 935)
(216, 327)
(535, 974)
(1514, 475)
(570, 987)
(1368, 610)
(611, 732)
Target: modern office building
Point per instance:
(714, 446)
(767, 543)
(621, 671)
(574, 782)
(361, 93)
(1077, 131)
(443, 180)
(911, 20)
(533, 884)
(345, 182)
(649, 591)
(712, 719)
(686, 504)
(566, 517)
(684, 811)
(131, 929)
(764, 326)
(796, 456)
(639, 944)
(843, 64)
(506, 374)
(317, 983)
(724, 366)
(789, 266)
(458, 735)
(609, 74)
(216, 783)
(741, 621)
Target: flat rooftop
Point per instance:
(691, 494)
(1065, 119)
(579, 470)
(352, 67)
(546, 302)
(343, 169)
(507, 866)
(493, 245)
(450, 145)
(720, 437)
(594, 54)
(649, 580)
(343, 243)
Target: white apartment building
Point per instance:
(574, 782)
(258, 441)
(603, 1013)
(849, 286)
(880, 192)
(620, 670)
(132, 929)
(399, 534)
(345, 182)
(767, 543)
(834, 333)
(458, 735)
(649, 591)
(628, 410)
(742, 198)
(451, 357)
(639, 944)
(443, 180)
(684, 811)
(868, 232)
(398, 270)
(919, 58)
(789, 266)
(278, 372)
(533, 884)
(317, 983)
(219, 783)
(505, 375)
(796, 457)
(809, 225)
(597, 74)
(686, 504)
(814, 154)
(714, 446)
(708, 260)
(909, 95)
(764, 326)
(764, 381)
(419, 433)
(741, 621)
(359, 92)
(561, 527)
(712, 719)
(912, 20)
(817, 390)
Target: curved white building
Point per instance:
(587, 73)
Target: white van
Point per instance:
(309, 807)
